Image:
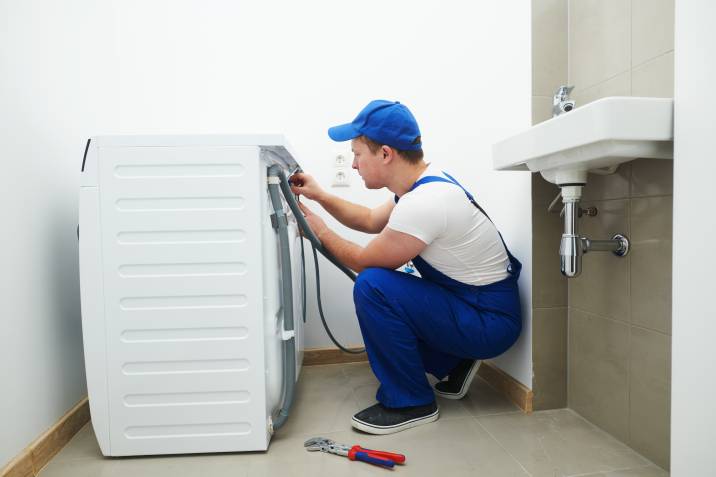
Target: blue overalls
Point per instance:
(414, 325)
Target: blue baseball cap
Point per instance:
(385, 122)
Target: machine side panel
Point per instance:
(93, 316)
(184, 300)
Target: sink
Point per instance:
(596, 137)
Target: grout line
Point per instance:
(629, 305)
(568, 360)
(569, 43)
(597, 315)
(603, 432)
(620, 469)
(631, 56)
(600, 83)
(653, 58)
(502, 447)
(614, 199)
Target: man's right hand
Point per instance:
(306, 185)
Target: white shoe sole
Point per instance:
(381, 430)
(465, 384)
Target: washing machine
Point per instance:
(182, 291)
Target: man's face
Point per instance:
(368, 164)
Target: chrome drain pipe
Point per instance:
(572, 246)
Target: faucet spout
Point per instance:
(561, 102)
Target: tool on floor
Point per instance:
(385, 459)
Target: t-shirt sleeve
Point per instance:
(421, 215)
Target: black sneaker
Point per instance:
(379, 419)
(459, 380)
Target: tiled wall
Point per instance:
(619, 310)
(549, 288)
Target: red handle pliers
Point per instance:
(383, 455)
(382, 458)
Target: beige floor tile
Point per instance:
(82, 446)
(559, 443)
(458, 444)
(484, 400)
(446, 447)
(358, 373)
(321, 411)
(160, 466)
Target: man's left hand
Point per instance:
(316, 223)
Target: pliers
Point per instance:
(385, 459)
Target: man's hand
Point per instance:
(315, 222)
(306, 185)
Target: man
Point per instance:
(464, 307)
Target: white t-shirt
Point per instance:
(462, 242)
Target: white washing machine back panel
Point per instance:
(179, 287)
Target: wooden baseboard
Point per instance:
(515, 391)
(316, 356)
(38, 454)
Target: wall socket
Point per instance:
(341, 177)
(340, 160)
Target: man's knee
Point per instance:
(370, 280)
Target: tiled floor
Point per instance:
(483, 434)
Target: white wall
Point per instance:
(693, 422)
(81, 68)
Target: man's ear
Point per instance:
(388, 154)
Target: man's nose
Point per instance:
(355, 164)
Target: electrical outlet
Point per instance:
(340, 159)
(341, 178)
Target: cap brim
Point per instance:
(344, 132)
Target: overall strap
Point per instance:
(451, 180)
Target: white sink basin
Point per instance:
(600, 135)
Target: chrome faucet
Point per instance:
(561, 102)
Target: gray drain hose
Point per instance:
(293, 204)
(316, 244)
(289, 345)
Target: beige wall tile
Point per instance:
(619, 85)
(549, 46)
(649, 389)
(610, 186)
(549, 287)
(599, 40)
(652, 29)
(654, 78)
(651, 231)
(603, 286)
(543, 192)
(652, 177)
(598, 371)
(549, 358)
(541, 109)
